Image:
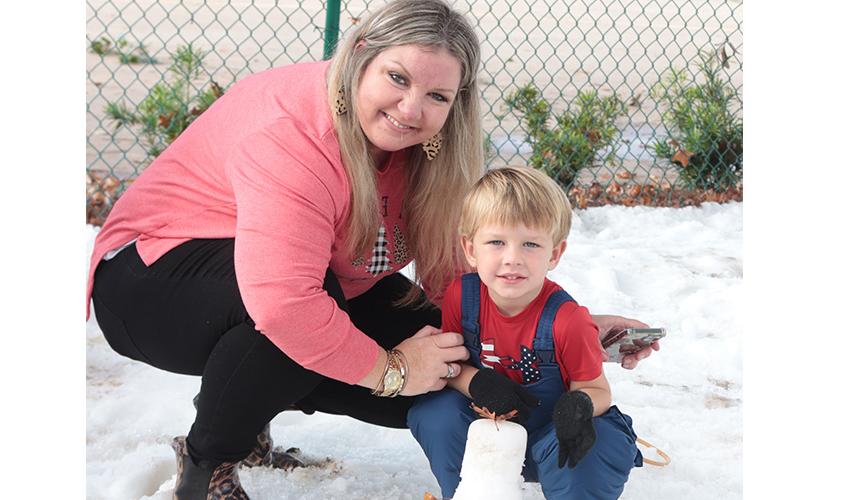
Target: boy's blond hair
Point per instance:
(517, 195)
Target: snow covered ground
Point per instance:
(677, 268)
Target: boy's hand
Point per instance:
(573, 421)
(500, 395)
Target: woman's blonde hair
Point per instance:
(435, 188)
(510, 196)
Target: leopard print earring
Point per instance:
(339, 105)
(432, 146)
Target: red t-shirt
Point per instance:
(504, 339)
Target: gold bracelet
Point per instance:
(380, 388)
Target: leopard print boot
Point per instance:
(205, 481)
(265, 454)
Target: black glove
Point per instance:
(573, 420)
(500, 395)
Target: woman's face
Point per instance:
(405, 96)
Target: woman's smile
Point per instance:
(395, 123)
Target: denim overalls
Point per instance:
(439, 421)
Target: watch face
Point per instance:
(392, 380)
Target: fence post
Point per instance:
(331, 28)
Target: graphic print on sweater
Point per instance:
(382, 254)
(380, 260)
(400, 246)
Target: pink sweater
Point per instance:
(263, 165)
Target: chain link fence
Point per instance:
(642, 98)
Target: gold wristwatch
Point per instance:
(392, 383)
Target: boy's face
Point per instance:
(512, 261)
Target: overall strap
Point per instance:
(470, 305)
(544, 343)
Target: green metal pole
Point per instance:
(331, 28)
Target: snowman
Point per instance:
(493, 459)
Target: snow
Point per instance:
(681, 269)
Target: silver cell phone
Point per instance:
(630, 340)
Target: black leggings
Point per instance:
(184, 314)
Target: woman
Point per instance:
(246, 253)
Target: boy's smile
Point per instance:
(511, 278)
(512, 261)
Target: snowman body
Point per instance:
(492, 461)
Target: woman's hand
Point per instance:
(429, 354)
(608, 323)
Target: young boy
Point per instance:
(529, 343)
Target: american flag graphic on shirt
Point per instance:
(489, 359)
(526, 365)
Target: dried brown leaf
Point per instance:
(682, 157)
(594, 191)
